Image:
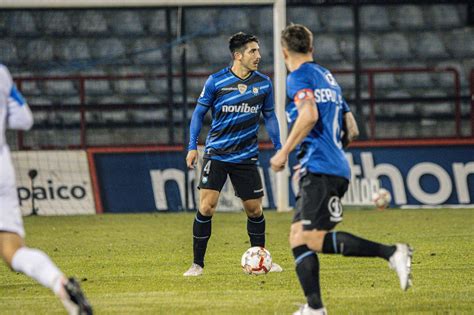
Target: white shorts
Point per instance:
(10, 213)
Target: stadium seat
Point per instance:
(56, 23)
(266, 50)
(39, 50)
(157, 22)
(326, 48)
(219, 54)
(395, 46)
(429, 45)
(8, 53)
(148, 51)
(263, 23)
(401, 108)
(436, 108)
(385, 80)
(110, 48)
(366, 45)
(444, 16)
(125, 22)
(111, 100)
(158, 86)
(192, 53)
(463, 42)
(446, 79)
(96, 87)
(337, 18)
(73, 49)
(345, 81)
(415, 79)
(59, 87)
(201, 21)
(408, 17)
(300, 15)
(21, 23)
(226, 21)
(374, 18)
(157, 116)
(91, 23)
(40, 101)
(130, 86)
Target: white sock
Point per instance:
(37, 265)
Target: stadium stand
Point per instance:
(115, 42)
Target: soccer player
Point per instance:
(236, 96)
(15, 114)
(318, 114)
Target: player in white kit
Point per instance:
(15, 114)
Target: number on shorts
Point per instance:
(207, 167)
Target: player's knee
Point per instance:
(207, 209)
(296, 237)
(254, 212)
(314, 239)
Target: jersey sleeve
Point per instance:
(208, 93)
(345, 107)
(269, 101)
(296, 82)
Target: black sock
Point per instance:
(351, 245)
(307, 269)
(201, 234)
(256, 230)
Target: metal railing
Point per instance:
(84, 107)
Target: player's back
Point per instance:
(322, 148)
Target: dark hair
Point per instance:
(297, 38)
(239, 40)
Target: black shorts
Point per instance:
(318, 204)
(244, 177)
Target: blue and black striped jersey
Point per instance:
(236, 105)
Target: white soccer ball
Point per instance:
(381, 198)
(256, 261)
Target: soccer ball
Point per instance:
(381, 198)
(256, 261)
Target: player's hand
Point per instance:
(191, 158)
(278, 161)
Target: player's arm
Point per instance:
(194, 130)
(203, 104)
(273, 129)
(19, 115)
(307, 117)
(270, 118)
(351, 131)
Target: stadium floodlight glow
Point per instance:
(279, 21)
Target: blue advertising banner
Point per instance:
(155, 181)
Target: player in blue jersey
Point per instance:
(237, 96)
(319, 114)
(16, 114)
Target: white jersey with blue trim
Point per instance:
(321, 151)
(14, 112)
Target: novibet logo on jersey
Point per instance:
(242, 108)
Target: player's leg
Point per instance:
(212, 179)
(249, 188)
(32, 262)
(320, 238)
(255, 221)
(38, 266)
(307, 263)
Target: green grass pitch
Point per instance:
(131, 264)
